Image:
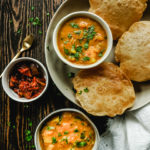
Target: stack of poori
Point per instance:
(109, 90)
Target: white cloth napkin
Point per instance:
(128, 132)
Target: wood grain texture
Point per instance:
(14, 16)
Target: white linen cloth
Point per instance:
(128, 132)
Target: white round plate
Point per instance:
(58, 70)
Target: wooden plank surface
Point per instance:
(16, 118)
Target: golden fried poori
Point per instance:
(119, 14)
(104, 90)
(133, 51)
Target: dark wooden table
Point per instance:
(16, 118)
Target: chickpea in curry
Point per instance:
(67, 131)
(82, 41)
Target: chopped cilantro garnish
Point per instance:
(50, 128)
(60, 119)
(82, 136)
(77, 32)
(76, 130)
(80, 92)
(66, 132)
(73, 47)
(65, 139)
(81, 144)
(30, 124)
(86, 90)
(19, 31)
(71, 75)
(79, 49)
(28, 136)
(66, 51)
(32, 8)
(86, 45)
(74, 25)
(40, 32)
(65, 42)
(36, 21)
(27, 132)
(59, 134)
(48, 48)
(101, 53)
(76, 55)
(31, 19)
(69, 36)
(47, 14)
(86, 58)
(54, 140)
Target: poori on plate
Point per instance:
(104, 90)
(133, 51)
(119, 14)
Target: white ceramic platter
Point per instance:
(58, 70)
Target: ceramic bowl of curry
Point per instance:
(66, 129)
(25, 79)
(82, 40)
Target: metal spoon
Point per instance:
(27, 43)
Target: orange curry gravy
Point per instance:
(82, 41)
(68, 131)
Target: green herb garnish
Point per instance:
(30, 124)
(54, 140)
(74, 25)
(81, 144)
(69, 36)
(71, 75)
(32, 8)
(19, 31)
(82, 136)
(77, 32)
(31, 19)
(59, 134)
(76, 130)
(86, 90)
(66, 132)
(86, 45)
(47, 14)
(66, 51)
(101, 53)
(65, 42)
(48, 48)
(86, 58)
(40, 32)
(50, 128)
(80, 92)
(79, 49)
(28, 136)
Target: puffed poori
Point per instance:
(133, 51)
(104, 90)
(119, 14)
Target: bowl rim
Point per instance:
(97, 19)
(44, 120)
(7, 71)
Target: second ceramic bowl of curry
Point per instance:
(43, 123)
(83, 51)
